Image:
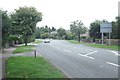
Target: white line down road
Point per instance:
(113, 64)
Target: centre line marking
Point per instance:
(86, 56)
(113, 64)
(91, 53)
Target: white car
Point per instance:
(47, 41)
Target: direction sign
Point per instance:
(105, 27)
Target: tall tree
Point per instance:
(24, 21)
(117, 28)
(95, 29)
(6, 26)
(114, 34)
(77, 28)
(53, 29)
(61, 33)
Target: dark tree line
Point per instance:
(94, 31)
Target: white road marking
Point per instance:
(86, 56)
(91, 53)
(116, 53)
(67, 51)
(113, 64)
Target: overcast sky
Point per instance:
(59, 13)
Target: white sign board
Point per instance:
(105, 27)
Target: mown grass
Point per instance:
(30, 67)
(75, 42)
(37, 41)
(104, 46)
(96, 45)
(23, 48)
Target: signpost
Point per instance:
(105, 27)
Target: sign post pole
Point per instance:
(102, 38)
(109, 39)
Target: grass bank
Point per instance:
(75, 42)
(21, 49)
(104, 46)
(96, 45)
(30, 67)
(37, 41)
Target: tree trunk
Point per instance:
(25, 40)
(78, 38)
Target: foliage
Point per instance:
(53, 29)
(6, 27)
(78, 28)
(24, 21)
(95, 29)
(43, 32)
(116, 29)
(61, 33)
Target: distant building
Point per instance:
(86, 34)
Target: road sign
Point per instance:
(105, 27)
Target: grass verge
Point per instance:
(30, 67)
(22, 49)
(37, 41)
(75, 42)
(96, 45)
(104, 46)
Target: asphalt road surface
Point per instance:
(80, 61)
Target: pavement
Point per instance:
(79, 60)
(3, 57)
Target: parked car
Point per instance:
(47, 40)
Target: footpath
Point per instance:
(3, 57)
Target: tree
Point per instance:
(95, 29)
(6, 26)
(61, 33)
(116, 28)
(114, 34)
(77, 28)
(53, 29)
(24, 21)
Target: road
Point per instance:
(80, 61)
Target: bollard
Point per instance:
(35, 54)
